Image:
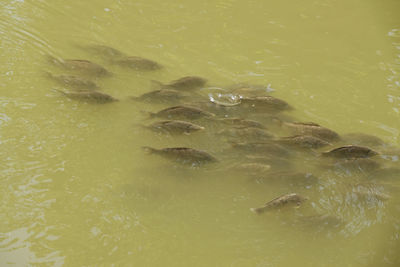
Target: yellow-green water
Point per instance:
(77, 190)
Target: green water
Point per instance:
(77, 190)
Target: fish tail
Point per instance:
(149, 150)
(257, 210)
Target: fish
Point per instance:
(137, 63)
(185, 112)
(249, 133)
(175, 127)
(303, 141)
(281, 201)
(183, 155)
(163, 95)
(89, 96)
(350, 151)
(80, 65)
(313, 129)
(184, 83)
(73, 81)
(119, 58)
(262, 103)
(240, 122)
(105, 51)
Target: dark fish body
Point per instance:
(160, 95)
(239, 122)
(350, 151)
(250, 133)
(137, 63)
(73, 81)
(80, 65)
(303, 141)
(89, 96)
(185, 83)
(313, 129)
(186, 112)
(280, 202)
(265, 103)
(183, 155)
(175, 127)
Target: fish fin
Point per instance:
(256, 210)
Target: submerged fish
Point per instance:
(175, 127)
(268, 103)
(250, 134)
(89, 96)
(350, 151)
(105, 51)
(184, 83)
(137, 63)
(313, 129)
(160, 95)
(280, 202)
(183, 155)
(73, 81)
(80, 65)
(303, 141)
(186, 112)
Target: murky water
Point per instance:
(78, 190)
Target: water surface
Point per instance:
(77, 190)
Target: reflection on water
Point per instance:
(78, 189)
